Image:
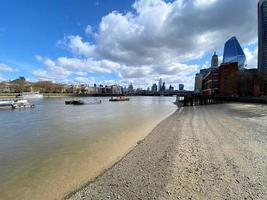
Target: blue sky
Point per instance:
(119, 41)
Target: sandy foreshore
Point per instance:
(205, 152)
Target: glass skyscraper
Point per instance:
(262, 31)
(234, 53)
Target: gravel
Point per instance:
(205, 152)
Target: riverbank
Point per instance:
(205, 152)
(46, 95)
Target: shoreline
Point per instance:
(93, 179)
(196, 153)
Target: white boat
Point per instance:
(15, 103)
(22, 105)
(31, 95)
(6, 102)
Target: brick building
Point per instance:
(210, 82)
(228, 79)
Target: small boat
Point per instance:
(120, 98)
(22, 105)
(78, 102)
(15, 103)
(31, 95)
(6, 102)
(94, 102)
(74, 102)
(68, 102)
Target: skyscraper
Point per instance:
(214, 60)
(154, 88)
(234, 53)
(160, 84)
(262, 35)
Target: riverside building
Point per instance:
(262, 42)
(228, 78)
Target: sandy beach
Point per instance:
(205, 152)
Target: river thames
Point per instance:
(54, 148)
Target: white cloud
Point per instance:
(203, 3)
(85, 80)
(89, 30)
(6, 68)
(77, 46)
(63, 67)
(87, 65)
(81, 73)
(155, 38)
(160, 32)
(252, 57)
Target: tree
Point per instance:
(18, 84)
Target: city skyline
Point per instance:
(91, 43)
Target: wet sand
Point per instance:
(206, 152)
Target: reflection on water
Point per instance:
(52, 149)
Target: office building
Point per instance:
(160, 85)
(233, 53)
(262, 35)
(181, 87)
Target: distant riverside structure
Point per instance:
(163, 88)
(204, 72)
(198, 83)
(181, 87)
(233, 53)
(160, 85)
(154, 88)
(262, 35)
(214, 60)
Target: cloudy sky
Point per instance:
(120, 41)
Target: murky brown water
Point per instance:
(52, 149)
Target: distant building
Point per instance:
(228, 79)
(204, 72)
(163, 88)
(181, 87)
(130, 89)
(160, 85)
(214, 60)
(116, 89)
(171, 88)
(198, 83)
(210, 83)
(233, 53)
(154, 88)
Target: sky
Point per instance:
(121, 41)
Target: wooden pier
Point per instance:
(191, 99)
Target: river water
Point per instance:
(52, 149)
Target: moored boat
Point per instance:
(74, 102)
(22, 105)
(80, 102)
(6, 102)
(31, 95)
(15, 103)
(120, 98)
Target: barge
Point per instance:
(120, 98)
